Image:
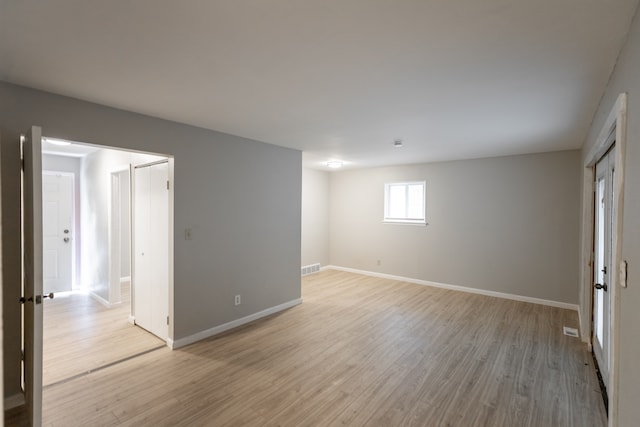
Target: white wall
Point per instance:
(315, 217)
(241, 198)
(625, 79)
(125, 232)
(95, 174)
(506, 224)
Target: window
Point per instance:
(404, 202)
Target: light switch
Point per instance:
(187, 234)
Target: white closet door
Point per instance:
(151, 246)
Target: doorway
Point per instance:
(613, 130)
(92, 328)
(94, 256)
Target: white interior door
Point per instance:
(32, 251)
(602, 273)
(57, 230)
(151, 247)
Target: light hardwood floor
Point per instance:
(358, 351)
(81, 335)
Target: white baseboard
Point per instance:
(13, 401)
(102, 300)
(230, 325)
(132, 320)
(459, 288)
(585, 335)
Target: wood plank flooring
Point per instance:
(359, 351)
(81, 335)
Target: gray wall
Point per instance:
(506, 224)
(55, 163)
(315, 217)
(625, 79)
(242, 198)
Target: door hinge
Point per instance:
(168, 185)
(167, 320)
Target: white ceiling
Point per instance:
(338, 79)
(74, 149)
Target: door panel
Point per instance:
(57, 229)
(33, 253)
(602, 265)
(151, 247)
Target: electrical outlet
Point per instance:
(238, 300)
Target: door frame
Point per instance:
(74, 235)
(114, 208)
(616, 123)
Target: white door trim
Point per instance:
(615, 122)
(114, 221)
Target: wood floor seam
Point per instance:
(102, 367)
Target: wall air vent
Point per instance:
(572, 332)
(309, 269)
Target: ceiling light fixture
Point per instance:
(60, 142)
(397, 143)
(335, 164)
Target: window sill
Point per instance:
(419, 224)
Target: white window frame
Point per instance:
(415, 221)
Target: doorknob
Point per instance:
(599, 286)
(39, 298)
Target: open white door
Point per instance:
(603, 264)
(150, 272)
(32, 251)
